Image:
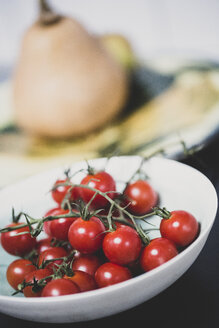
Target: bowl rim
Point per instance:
(133, 280)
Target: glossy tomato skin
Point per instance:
(88, 263)
(86, 235)
(102, 181)
(43, 244)
(59, 191)
(122, 246)
(141, 197)
(118, 224)
(50, 254)
(46, 224)
(17, 270)
(83, 280)
(135, 268)
(110, 273)
(15, 244)
(159, 251)
(59, 287)
(59, 227)
(36, 275)
(181, 228)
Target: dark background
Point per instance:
(192, 301)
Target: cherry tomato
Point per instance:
(118, 224)
(86, 236)
(159, 251)
(46, 224)
(59, 191)
(17, 270)
(43, 244)
(15, 244)
(75, 194)
(83, 280)
(36, 275)
(122, 246)
(59, 227)
(135, 268)
(50, 254)
(69, 249)
(182, 228)
(88, 263)
(141, 197)
(58, 287)
(110, 273)
(102, 181)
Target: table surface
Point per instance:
(193, 300)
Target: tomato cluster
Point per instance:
(94, 239)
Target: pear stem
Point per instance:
(47, 16)
(44, 6)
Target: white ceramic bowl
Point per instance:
(179, 186)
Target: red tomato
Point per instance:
(86, 236)
(15, 244)
(122, 246)
(159, 251)
(46, 224)
(110, 273)
(135, 267)
(75, 194)
(43, 244)
(59, 192)
(59, 227)
(102, 181)
(83, 280)
(36, 275)
(141, 196)
(88, 263)
(59, 287)
(69, 249)
(181, 228)
(50, 254)
(121, 224)
(17, 270)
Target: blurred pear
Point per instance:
(65, 83)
